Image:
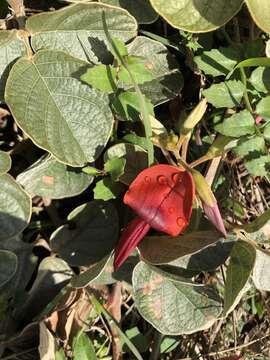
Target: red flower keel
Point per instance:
(130, 238)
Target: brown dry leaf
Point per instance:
(47, 344)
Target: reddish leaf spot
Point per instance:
(48, 180)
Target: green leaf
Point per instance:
(251, 147)
(263, 108)
(100, 309)
(260, 12)
(266, 132)
(225, 94)
(260, 79)
(48, 80)
(237, 125)
(258, 223)
(140, 9)
(8, 266)
(83, 349)
(90, 275)
(209, 258)
(15, 208)
(12, 47)
(168, 80)
(260, 276)
(60, 355)
(241, 264)
(26, 265)
(164, 249)
(90, 234)
(252, 62)
(138, 68)
(106, 189)
(115, 167)
(127, 105)
(168, 344)
(121, 49)
(101, 77)
(135, 156)
(52, 179)
(137, 338)
(217, 62)
(259, 166)
(5, 161)
(53, 274)
(197, 16)
(78, 29)
(159, 300)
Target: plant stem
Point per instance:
(144, 111)
(244, 81)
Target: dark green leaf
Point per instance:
(8, 266)
(89, 235)
(241, 264)
(115, 167)
(83, 349)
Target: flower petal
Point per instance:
(130, 238)
(162, 195)
(213, 214)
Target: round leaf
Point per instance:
(57, 111)
(260, 12)
(89, 236)
(50, 178)
(78, 29)
(5, 162)
(15, 208)
(172, 307)
(8, 266)
(197, 15)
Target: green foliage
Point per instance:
(225, 94)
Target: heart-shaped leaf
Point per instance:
(78, 29)
(241, 264)
(5, 161)
(168, 80)
(50, 80)
(52, 179)
(172, 307)
(11, 48)
(8, 266)
(89, 236)
(164, 249)
(197, 15)
(15, 207)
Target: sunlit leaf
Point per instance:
(225, 94)
(197, 16)
(49, 81)
(52, 179)
(159, 300)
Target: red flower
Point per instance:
(162, 197)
